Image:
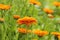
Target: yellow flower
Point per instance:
(56, 33)
(38, 3)
(40, 33)
(58, 36)
(4, 7)
(56, 3)
(1, 6)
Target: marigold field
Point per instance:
(29, 19)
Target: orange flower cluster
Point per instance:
(57, 34)
(26, 20)
(16, 16)
(47, 10)
(1, 19)
(56, 4)
(23, 30)
(40, 33)
(35, 2)
(4, 7)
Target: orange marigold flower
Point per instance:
(23, 30)
(4, 7)
(32, 1)
(56, 33)
(56, 4)
(38, 3)
(1, 19)
(58, 37)
(50, 16)
(1, 6)
(26, 20)
(49, 11)
(35, 2)
(16, 16)
(40, 33)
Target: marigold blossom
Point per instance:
(58, 37)
(56, 33)
(23, 30)
(4, 7)
(56, 4)
(27, 20)
(1, 19)
(48, 11)
(40, 33)
(35, 2)
(16, 16)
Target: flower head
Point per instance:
(1, 19)
(35, 2)
(58, 37)
(4, 7)
(26, 20)
(16, 16)
(40, 33)
(48, 11)
(56, 4)
(23, 30)
(56, 33)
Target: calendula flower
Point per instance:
(50, 16)
(4, 7)
(55, 33)
(48, 11)
(23, 30)
(27, 20)
(35, 2)
(56, 4)
(1, 6)
(40, 33)
(58, 37)
(1, 19)
(16, 16)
